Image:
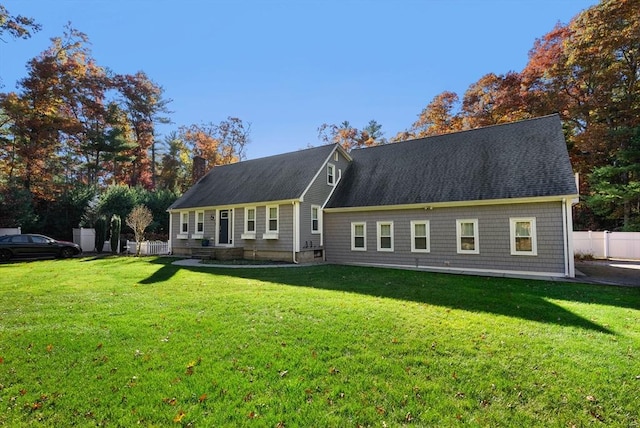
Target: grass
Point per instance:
(127, 341)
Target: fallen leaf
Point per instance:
(203, 398)
(49, 348)
(252, 415)
(178, 418)
(170, 401)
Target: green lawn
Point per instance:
(126, 341)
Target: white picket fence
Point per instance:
(149, 248)
(10, 231)
(607, 245)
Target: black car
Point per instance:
(32, 246)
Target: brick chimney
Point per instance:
(199, 168)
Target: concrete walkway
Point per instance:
(198, 263)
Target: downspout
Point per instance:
(293, 241)
(570, 251)
(565, 237)
(170, 233)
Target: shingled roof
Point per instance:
(274, 178)
(516, 160)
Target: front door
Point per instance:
(224, 233)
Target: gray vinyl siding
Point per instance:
(493, 230)
(285, 230)
(317, 194)
(209, 229)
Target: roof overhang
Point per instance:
(451, 204)
(239, 205)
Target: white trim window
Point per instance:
(272, 222)
(522, 232)
(358, 236)
(199, 232)
(420, 242)
(315, 219)
(331, 174)
(385, 235)
(249, 223)
(467, 236)
(184, 225)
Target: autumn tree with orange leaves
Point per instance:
(219, 144)
(352, 138)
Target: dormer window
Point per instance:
(331, 174)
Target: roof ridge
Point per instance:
(462, 131)
(291, 152)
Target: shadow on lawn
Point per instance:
(525, 299)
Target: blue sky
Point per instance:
(289, 66)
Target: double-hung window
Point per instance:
(272, 222)
(467, 236)
(420, 236)
(385, 235)
(315, 219)
(199, 233)
(331, 174)
(249, 223)
(523, 236)
(358, 236)
(184, 225)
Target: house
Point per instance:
(493, 200)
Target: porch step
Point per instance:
(212, 253)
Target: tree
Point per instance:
(492, 100)
(219, 144)
(18, 26)
(138, 220)
(615, 188)
(101, 233)
(116, 226)
(175, 165)
(438, 117)
(119, 200)
(142, 101)
(352, 138)
(588, 72)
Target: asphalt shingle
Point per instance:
(273, 178)
(516, 160)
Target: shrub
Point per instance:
(116, 226)
(101, 233)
